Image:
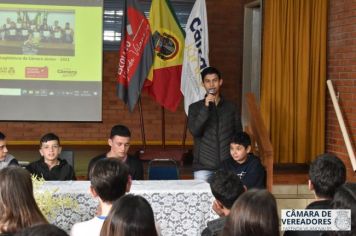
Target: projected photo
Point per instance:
(37, 32)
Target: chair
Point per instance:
(163, 169)
(67, 155)
(23, 164)
(176, 154)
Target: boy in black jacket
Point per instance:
(50, 166)
(243, 163)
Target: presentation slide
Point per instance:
(51, 60)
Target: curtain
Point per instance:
(294, 78)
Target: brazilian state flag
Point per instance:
(136, 54)
(168, 39)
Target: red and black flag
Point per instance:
(136, 53)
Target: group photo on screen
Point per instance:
(37, 32)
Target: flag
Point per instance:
(196, 54)
(168, 39)
(136, 54)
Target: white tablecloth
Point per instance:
(181, 207)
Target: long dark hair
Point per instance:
(17, 204)
(131, 215)
(253, 214)
(345, 198)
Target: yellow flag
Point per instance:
(168, 39)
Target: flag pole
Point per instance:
(163, 128)
(143, 135)
(185, 132)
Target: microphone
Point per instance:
(213, 92)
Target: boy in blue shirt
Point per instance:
(245, 164)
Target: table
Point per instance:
(181, 207)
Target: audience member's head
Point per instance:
(119, 141)
(226, 188)
(42, 230)
(254, 213)
(345, 198)
(130, 216)
(50, 147)
(240, 146)
(3, 148)
(109, 179)
(326, 173)
(17, 204)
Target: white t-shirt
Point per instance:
(88, 228)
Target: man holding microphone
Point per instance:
(212, 122)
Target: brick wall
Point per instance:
(342, 72)
(226, 34)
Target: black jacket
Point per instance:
(134, 163)
(63, 171)
(252, 173)
(212, 128)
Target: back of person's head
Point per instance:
(2, 136)
(120, 130)
(17, 204)
(131, 215)
(254, 214)
(326, 173)
(42, 230)
(226, 187)
(109, 178)
(345, 198)
(210, 70)
(241, 138)
(49, 137)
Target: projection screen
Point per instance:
(51, 60)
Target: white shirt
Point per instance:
(88, 228)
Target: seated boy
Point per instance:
(109, 179)
(243, 163)
(119, 142)
(226, 188)
(326, 174)
(5, 158)
(50, 166)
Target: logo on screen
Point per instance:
(36, 72)
(7, 70)
(66, 72)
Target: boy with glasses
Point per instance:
(50, 166)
